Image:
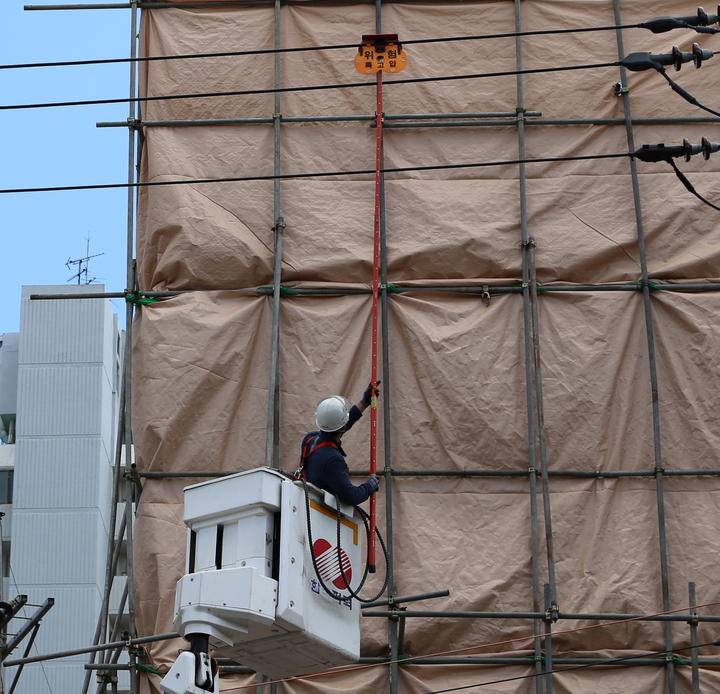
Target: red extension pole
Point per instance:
(375, 307)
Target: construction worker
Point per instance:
(322, 460)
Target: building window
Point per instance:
(6, 486)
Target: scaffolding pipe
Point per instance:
(398, 600)
(568, 616)
(121, 609)
(549, 604)
(544, 484)
(525, 660)
(693, 621)
(395, 638)
(395, 289)
(29, 645)
(527, 340)
(460, 660)
(272, 433)
(133, 113)
(651, 357)
(538, 120)
(315, 119)
(608, 474)
(100, 630)
(91, 649)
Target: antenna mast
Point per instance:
(82, 265)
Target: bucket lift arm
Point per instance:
(194, 672)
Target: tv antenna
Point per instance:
(82, 265)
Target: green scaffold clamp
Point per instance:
(138, 298)
(284, 291)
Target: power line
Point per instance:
(657, 25)
(320, 87)
(272, 51)
(322, 174)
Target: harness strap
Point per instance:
(300, 472)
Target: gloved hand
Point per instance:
(367, 395)
(374, 484)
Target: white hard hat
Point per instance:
(332, 413)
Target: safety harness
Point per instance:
(309, 447)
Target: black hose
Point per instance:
(364, 516)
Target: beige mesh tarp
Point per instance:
(457, 380)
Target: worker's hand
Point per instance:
(374, 484)
(368, 394)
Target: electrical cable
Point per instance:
(690, 186)
(657, 25)
(272, 51)
(317, 87)
(321, 174)
(686, 95)
(366, 520)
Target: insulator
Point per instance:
(690, 150)
(708, 147)
(705, 19)
(700, 54)
(679, 57)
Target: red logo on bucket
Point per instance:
(326, 558)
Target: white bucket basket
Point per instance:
(250, 584)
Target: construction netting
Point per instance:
(495, 378)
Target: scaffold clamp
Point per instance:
(486, 294)
(380, 53)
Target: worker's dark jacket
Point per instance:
(326, 467)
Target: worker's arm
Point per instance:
(337, 481)
(366, 399)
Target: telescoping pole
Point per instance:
(377, 53)
(375, 305)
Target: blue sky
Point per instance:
(61, 146)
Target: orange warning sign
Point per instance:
(380, 52)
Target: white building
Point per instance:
(59, 398)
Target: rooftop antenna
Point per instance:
(82, 266)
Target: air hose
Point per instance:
(365, 517)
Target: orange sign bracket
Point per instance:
(380, 53)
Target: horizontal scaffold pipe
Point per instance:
(409, 598)
(91, 649)
(585, 474)
(527, 660)
(317, 119)
(395, 289)
(389, 117)
(429, 124)
(589, 474)
(574, 617)
(459, 660)
(233, 668)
